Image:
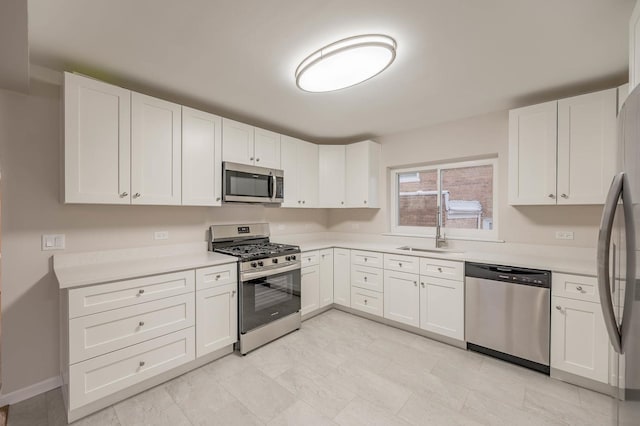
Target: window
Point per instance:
(460, 196)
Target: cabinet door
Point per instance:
(532, 154)
(201, 158)
(331, 175)
(362, 170)
(216, 318)
(267, 148)
(326, 277)
(308, 174)
(442, 306)
(155, 151)
(237, 142)
(342, 276)
(586, 147)
(402, 297)
(579, 341)
(97, 144)
(634, 48)
(310, 289)
(289, 163)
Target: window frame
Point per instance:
(430, 231)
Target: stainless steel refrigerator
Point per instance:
(617, 257)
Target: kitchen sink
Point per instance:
(428, 250)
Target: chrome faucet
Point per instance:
(441, 238)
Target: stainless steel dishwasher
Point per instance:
(507, 313)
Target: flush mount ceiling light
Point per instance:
(346, 63)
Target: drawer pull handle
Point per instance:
(141, 291)
(579, 288)
(141, 323)
(439, 269)
(141, 363)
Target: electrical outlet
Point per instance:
(161, 235)
(53, 242)
(564, 235)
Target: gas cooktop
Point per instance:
(253, 251)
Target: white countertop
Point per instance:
(80, 269)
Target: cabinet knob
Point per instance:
(558, 307)
(365, 259)
(141, 363)
(257, 159)
(415, 283)
(141, 291)
(124, 194)
(365, 301)
(341, 202)
(422, 284)
(137, 195)
(400, 264)
(141, 323)
(250, 158)
(303, 201)
(233, 293)
(365, 201)
(217, 198)
(439, 269)
(551, 196)
(217, 277)
(579, 288)
(564, 196)
(299, 202)
(365, 279)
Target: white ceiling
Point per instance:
(455, 58)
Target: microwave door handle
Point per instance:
(603, 252)
(272, 195)
(630, 287)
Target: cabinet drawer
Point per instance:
(575, 287)
(366, 277)
(97, 334)
(400, 263)
(439, 268)
(118, 294)
(214, 276)
(366, 258)
(367, 301)
(104, 375)
(309, 258)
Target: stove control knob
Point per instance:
(254, 264)
(260, 263)
(287, 258)
(274, 260)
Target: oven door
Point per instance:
(268, 298)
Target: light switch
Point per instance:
(53, 242)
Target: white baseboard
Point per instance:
(30, 391)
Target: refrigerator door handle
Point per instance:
(604, 240)
(630, 280)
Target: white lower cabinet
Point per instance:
(342, 276)
(310, 289)
(402, 297)
(367, 301)
(579, 341)
(442, 306)
(326, 277)
(216, 318)
(102, 376)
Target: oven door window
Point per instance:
(269, 298)
(248, 184)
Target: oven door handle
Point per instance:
(248, 276)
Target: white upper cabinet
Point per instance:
(563, 152)
(97, 144)
(156, 144)
(532, 154)
(331, 175)
(634, 47)
(201, 158)
(299, 160)
(586, 147)
(362, 174)
(245, 144)
(267, 149)
(237, 142)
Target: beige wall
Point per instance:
(475, 137)
(29, 163)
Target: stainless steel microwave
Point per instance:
(251, 184)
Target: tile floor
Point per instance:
(341, 369)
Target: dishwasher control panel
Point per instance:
(516, 275)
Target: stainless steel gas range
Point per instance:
(269, 282)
